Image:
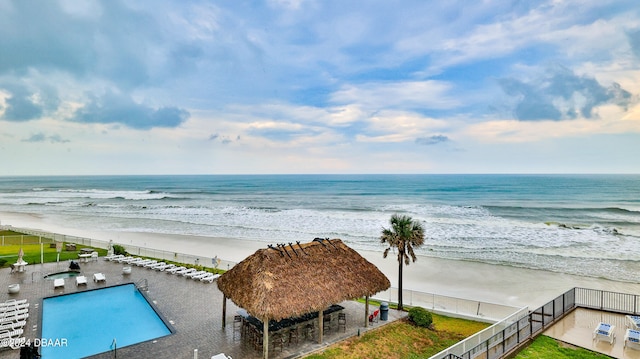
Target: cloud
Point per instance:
(560, 94)
(432, 140)
(119, 108)
(24, 104)
(634, 41)
(41, 137)
(402, 94)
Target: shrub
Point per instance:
(420, 316)
(118, 249)
(3, 262)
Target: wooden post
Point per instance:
(224, 311)
(320, 326)
(265, 338)
(366, 311)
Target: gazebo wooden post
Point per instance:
(320, 326)
(366, 311)
(265, 338)
(224, 311)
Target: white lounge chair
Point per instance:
(12, 325)
(175, 269)
(151, 264)
(201, 275)
(124, 259)
(57, 283)
(133, 261)
(14, 313)
(143, 263)
(210, 278)
(99, 277)
(156, 265)
(114, 257)
(633, 322)
(605, 332)
(196, 273)
(165, 267)
(81, 280)
(12, 302)
(632, 339)
(184, 272)
(14, 318)
(6, 334)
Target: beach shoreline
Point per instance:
(492, 283)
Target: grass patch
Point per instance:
(403, 340)
(545, 347)
(12, 242)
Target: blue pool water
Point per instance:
(86, 323)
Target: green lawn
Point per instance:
(403, 340)
(545, 347)
(12, 245)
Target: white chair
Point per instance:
(632, 339)
(175, 269)
(633, 322)
(57, 283)
(99, 277)
(81, 280)
(605, 332)
(210, 278)
(184, 272)
(94, 256)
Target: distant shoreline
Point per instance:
(500, 284)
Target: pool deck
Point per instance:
(193, 308)
(577, 327)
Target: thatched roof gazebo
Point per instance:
(291, 280)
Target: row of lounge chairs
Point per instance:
(80, 280)
(192, 273)
(13, 318)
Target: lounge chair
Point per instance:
(133, 261)
(6, 334)
(632, 339)
(165, 267)
(175, 269)
(210, 278)
(113, 257)
(14, 318)
(14, 313)
(196, 273)
(633, 322)
(202, 275)
(143, 263)
(81, 280)
(124, 259)
(12, 325)
(184, 272)
(99, 277)
(12, 302)
(155, 265)
(605, 332)
(57, 283)
(152, 263)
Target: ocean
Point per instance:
(587, 225)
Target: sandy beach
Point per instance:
(463, 279)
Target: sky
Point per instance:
(310, 86)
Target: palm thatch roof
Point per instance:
(291, 280)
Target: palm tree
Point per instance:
(404, 235)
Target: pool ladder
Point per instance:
(142, 284)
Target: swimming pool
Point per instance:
(67, 274)
(87, 323)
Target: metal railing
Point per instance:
(451, 306)
(47, 237)
(504, 337)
